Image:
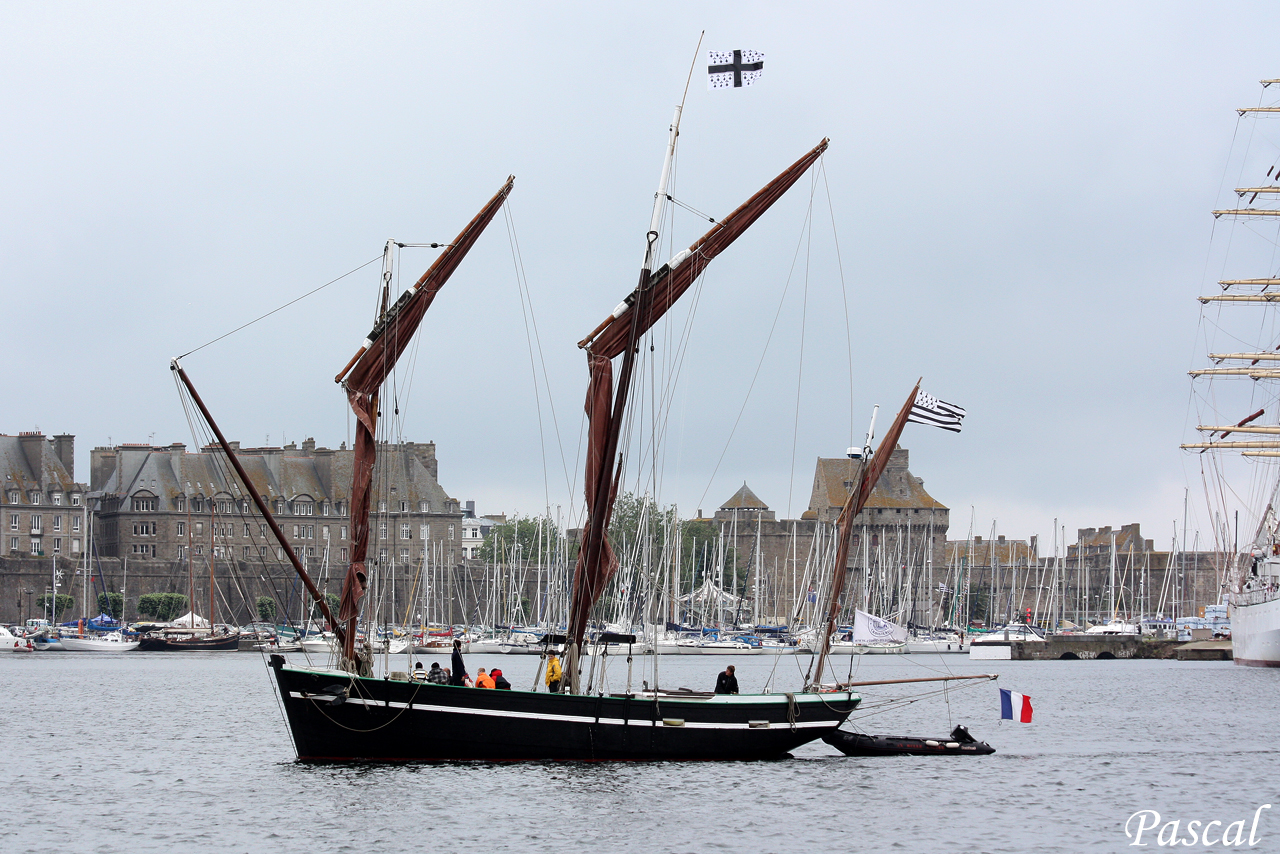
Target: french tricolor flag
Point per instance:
(1015, 706)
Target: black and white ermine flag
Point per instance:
(733, 69)
(927, 409)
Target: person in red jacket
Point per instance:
(500, 682)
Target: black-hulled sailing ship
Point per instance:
(344, 713)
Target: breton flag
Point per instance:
(1015, 706)
(733, 69)
(929, 410)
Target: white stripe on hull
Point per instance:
(579, 719)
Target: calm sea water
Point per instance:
(151, 752)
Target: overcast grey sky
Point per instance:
(1020, 193)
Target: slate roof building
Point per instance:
(159, 500)
(42, 508)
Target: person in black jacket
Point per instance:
(727, 683)
(499, 681)
(458, 674)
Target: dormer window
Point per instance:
(304, 508)
(142, 504)
(404, 506)
(324, 509)
(224, 506)
(75, 499)
(14, 496)
(34, 496)
(382, 507)
(424, 506)
(57, 499)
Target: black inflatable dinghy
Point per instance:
(857, 744)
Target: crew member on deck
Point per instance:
(458, 676)
(553, 674)
(484, 680)
(727, 683)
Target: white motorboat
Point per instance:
(13, 643)
(1114, 626)
(935, 643)
(1012, 632)
(111, 642)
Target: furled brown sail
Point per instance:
(365, 374)
(652, 297)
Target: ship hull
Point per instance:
(222, 643)
(1255, 634)
(335, 717)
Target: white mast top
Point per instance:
(651, 239)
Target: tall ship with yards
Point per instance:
(1237, 395)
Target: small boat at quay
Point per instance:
(110, 642)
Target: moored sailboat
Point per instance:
(343, 713)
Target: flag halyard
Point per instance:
(927, 409)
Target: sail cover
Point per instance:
(652, 297)
(372, 365)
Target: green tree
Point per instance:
(163, 606)
(61, 605)
(111, 604)
(266, 609)
(519, 539)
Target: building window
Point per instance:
(342, 532)
(224, 506)
(303, 508)
(57, 522)
(37, 523)
(57, 499)
(35, 546)
(337, 508)
(75, 546)
(75, 523)
(13, 544)
(424, 507)
(324, 508)
(295, 532)
(382, 507)
(424, 532)
(35, 497)
(75, 499)
(404, 506)
(199, 528)
(57, 545)
(180, 503)
(262, 551)
(382, 531)
(182, 529)
(144, 505)
(14, 496)
(311, 551)
(451, 530)
(404, 556)
(342, 554)
(199, 550)
(247, 552)
(405, 532)
(382, 556)
(13, 521)
(324, 533)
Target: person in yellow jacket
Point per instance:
(553, 674)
